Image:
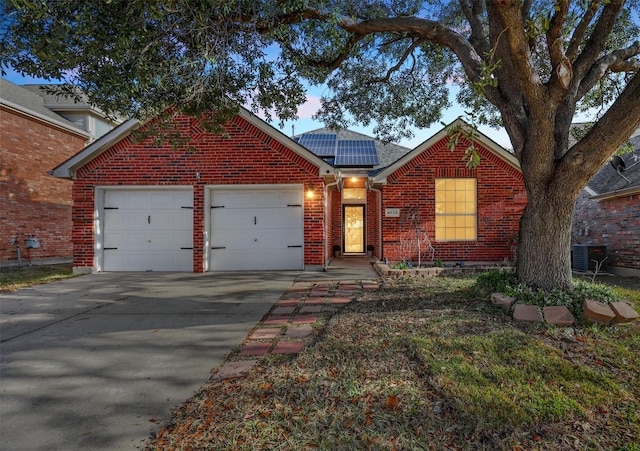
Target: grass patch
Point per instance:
(426, 364)
(510, 378)
(14, 278)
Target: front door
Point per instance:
(354, 229)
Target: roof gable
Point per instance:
(480, 138)
(69, 168)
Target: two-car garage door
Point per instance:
(251, 228)
(256, 228)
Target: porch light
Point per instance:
(354, 179)
(310, 191)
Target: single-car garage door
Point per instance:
(256, 228)
(148, 230)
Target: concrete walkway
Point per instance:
(96, 362)
(343, 268)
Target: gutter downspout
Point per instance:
(326, 216)
(370, 186)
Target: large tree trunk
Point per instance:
(544, 246)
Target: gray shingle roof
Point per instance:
(60, 102)
(30, 102)
(608, 180)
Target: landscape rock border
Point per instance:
(595, 312)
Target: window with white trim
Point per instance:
(456, 210)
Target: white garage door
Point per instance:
(256, 229)
(148, 230)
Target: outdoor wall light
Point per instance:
(310, 191)
(354, 179)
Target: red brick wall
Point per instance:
(246, 156)
(373, 225)
(336, 223)
(330, 223)
(614, 223)
(501, 200)
(33, 203)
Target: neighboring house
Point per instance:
(38, 132)
(607, 212)
(254, 198)
(78, 111)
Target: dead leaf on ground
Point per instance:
(392, 402)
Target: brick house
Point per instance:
(607, 212)
(254, 198)
(37, 132)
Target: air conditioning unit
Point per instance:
(585, 257)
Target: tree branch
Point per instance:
(554, 33)
(607, 135)
(560, 77)
(625, 66)
(581, 29)
(598, 39)
(508, 16)
(401, 61)
(474, 13)
(333, 65)
(526, 10)
(615, 61)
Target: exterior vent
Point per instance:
(584, 257)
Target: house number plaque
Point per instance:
(392, 212)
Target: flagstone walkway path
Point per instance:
(293, 322)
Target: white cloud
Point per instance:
(309, 108)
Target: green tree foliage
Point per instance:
(528, 65)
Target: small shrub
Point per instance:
(401, 265)
(496, 280)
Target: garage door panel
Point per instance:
(266, 198)
(259, 228)
(267, 240)
(151, 261)
(264, 260)
(291, 198)
(256, 218)
(145, 230)
(174, 200)
(230, 218)
(126, 199)
(281, 217)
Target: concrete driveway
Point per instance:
(95, 362)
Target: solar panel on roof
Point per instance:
(357, 152)
(321, 145)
